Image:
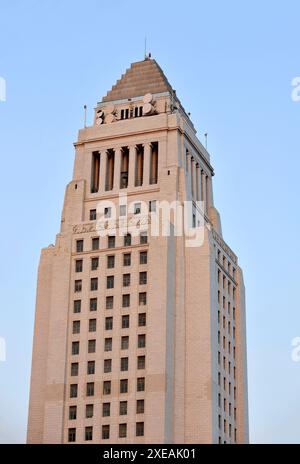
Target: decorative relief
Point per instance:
(111, 224)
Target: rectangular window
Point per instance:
(93, 304)
(105, 432)
(77, 306)
(142, 298)
(105, 409)
(125, 301)
(71, 435)
(107, 212)
(90, 389)
(140, 384)
(140, 429)
(142, 319)
(92, 325)
(140, 407)
(123, 385)
(91, 367)
(143, 257)
(143, 238)
(127, 240)
(107, 366)
(124, 364)
(109, 302)
(137, 208)
(141, 362)
(91, 346)
(111, 241)
(125, 322)
(73, 390)
(126, 280)
(95, 243)
(110, 280)
(127, 259)
(93, 214)
(75, 348)
(89, 411)
(124, 343)
(122, 430)
(88, 433)
(141, 341)
(152, 206)
(78, 265)
(106, 387)
(94, 284)
(94, 264)
(108, 344)
(78, 286)
(76, 327)
(110, 262)
(108, 323)
(79, 246)
(74, 369)
(143, 278)
(123, 408)
(72, 412)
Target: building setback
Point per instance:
(138, 338)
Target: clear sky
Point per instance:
(232, 64)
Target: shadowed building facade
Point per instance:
(138, 338)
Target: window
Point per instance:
(143, 257)
(91, 367)
(95, 243)
(106, 387)
(140, 384)
(141, 341)
(76, 327)
(90, 387)
(92, 325)
(73, 390)
(78, 265)
(127, 240)
(125, 322)
(124, 343)
(105, 432)
(122, 210)
(126, 280)
(142, 319)
(107, 366)
(77, 306)
(109, 302)
(94, 264)
(72, 412)
(93, 304)
(108, 344)
(125, 301)
(142, 298)
(71, 435)
(137, 208)
(108, 323)
(74, 369)
(107, 212)
(110, 262)
(88, 433)
(93, 214)
(143, 238)
(140, 406)
(78, 286)
(79, 246)
(75, 347)
(143, 278)
(89, 411)
(94, 284)
(91, 346)
(152, 206)
(123, 408)
(140, 429)
(127, 259)
(123, 386)
(141, 362)
(105, 409)
(111, 241)
(122, 430)
(110, 282)
(124, 364)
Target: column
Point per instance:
(117, 168)
(193, 178)
(131, 174)
(103, 160)
(147, 161)
(197, 182)
(203, 183)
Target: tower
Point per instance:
(139, 337)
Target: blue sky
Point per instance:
(232, 64)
